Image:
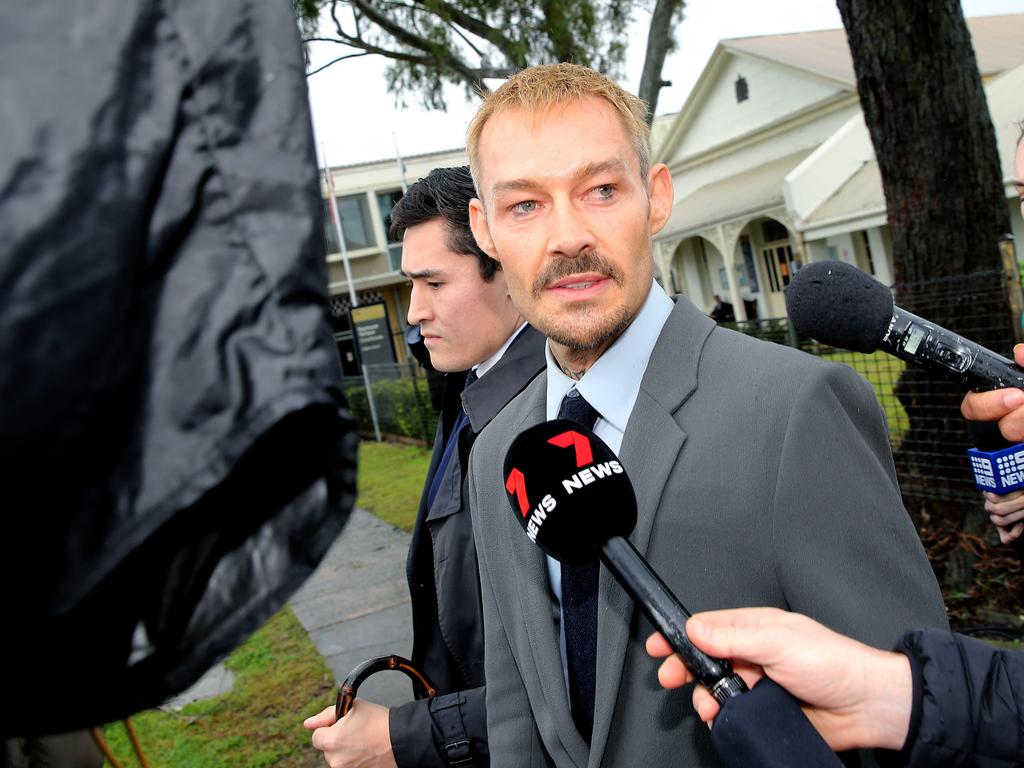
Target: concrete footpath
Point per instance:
(355, 606)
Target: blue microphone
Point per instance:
(997, 465)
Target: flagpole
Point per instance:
(336, 220)
(401, 164)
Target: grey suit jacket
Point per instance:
(763, 477)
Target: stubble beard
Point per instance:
(584, 329)
(587, 330)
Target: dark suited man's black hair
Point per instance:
(444, 194)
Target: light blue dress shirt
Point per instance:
(611, 385)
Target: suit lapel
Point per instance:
(532, 582)
(649, 451)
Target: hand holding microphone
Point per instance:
(1005, 406)
(854, 695)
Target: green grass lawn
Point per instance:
(280, 679)
(882, 371)
(391, 479)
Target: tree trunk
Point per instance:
(926, 111)
(659, 43)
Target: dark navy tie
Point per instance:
(579, 603)
(451, 447)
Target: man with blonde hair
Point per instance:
(763, 475)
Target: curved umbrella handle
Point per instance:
(347, 692)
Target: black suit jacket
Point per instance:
(442, 571)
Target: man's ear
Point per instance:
(481, 232)
(661, 195)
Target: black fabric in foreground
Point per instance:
(765, 728)
(177, 453)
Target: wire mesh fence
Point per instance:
(392, 401)
(928, 435)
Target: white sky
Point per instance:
(357, 120)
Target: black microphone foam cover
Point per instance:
(568, 490)
(837, 304)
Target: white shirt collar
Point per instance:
(490, 362)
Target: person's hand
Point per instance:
(1007, 512)
(361, 739)
(854, 695)
(1003, 405)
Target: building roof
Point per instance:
(660, 127)
(406, 159)
(998, 45)
(860, 195)
(754, 191)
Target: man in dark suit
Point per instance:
(722, 312)
(474, 333)
(763, 475)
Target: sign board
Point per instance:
(372, 334)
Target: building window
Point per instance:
(778, 264)
(748, 261)
(385, 202)
(742, 89)
(355, 223)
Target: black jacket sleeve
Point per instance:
(968, 702)
(421, 729)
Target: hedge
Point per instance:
(403, 408)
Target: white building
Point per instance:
(365, 193)
(773, 166)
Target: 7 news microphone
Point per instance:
(573, 499)
(837, 304)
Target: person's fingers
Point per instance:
(991, 405)
(673, 673)
(320, 720)
(321, 738)
(1009, 535)
(1004, 505)
(657, 646)
(745, 633)
(1018, 354)
(1006, 519)
(704, 704)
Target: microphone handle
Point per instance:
(932, 347)
(668, 616)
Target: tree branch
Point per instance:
(479, 28)
(433, 52)
(340, 58)
(368, 49)
(467, 41)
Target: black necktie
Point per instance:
(579, 603)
